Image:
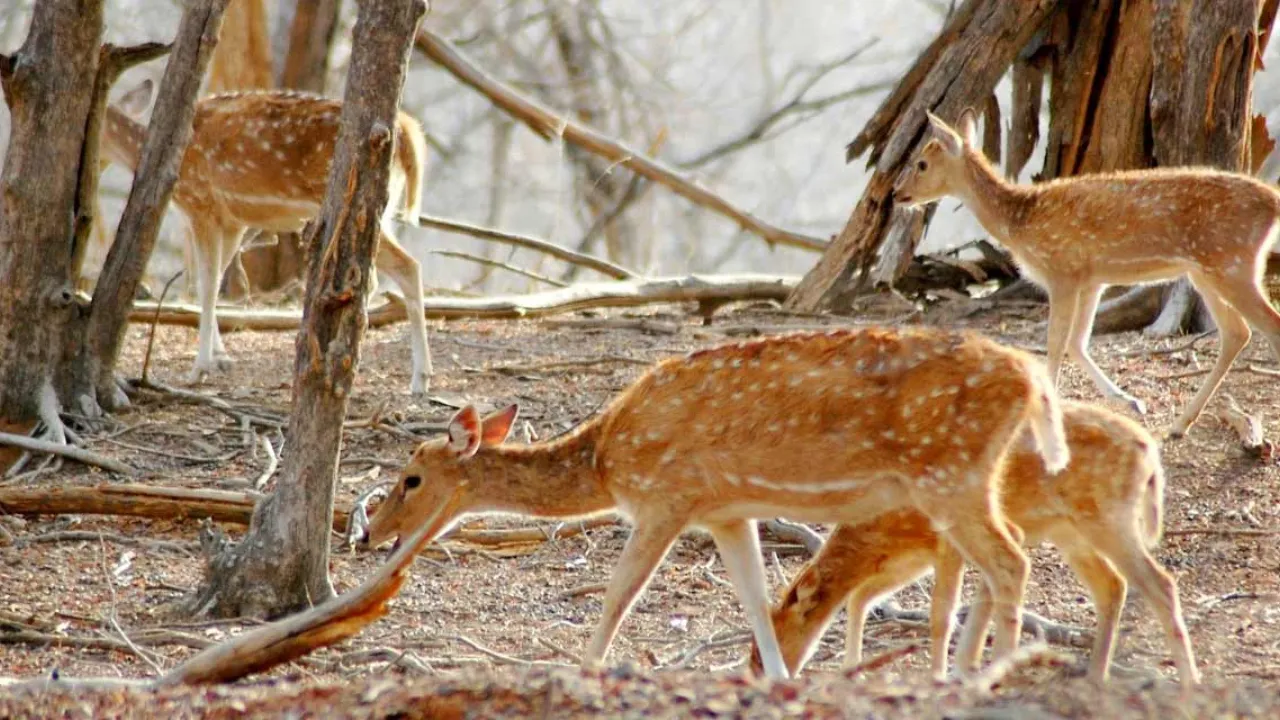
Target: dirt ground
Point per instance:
(482, 629)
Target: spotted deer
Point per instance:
(1075, 236)
(1103, 512)
(835, 427)
(261, 160)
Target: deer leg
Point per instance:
(977, 530)
(644, 551)
(1107, 587)
(739, 546)
(948, 576)
(206, 246)
(1233, 336)
(867, 590)
(1062, 312)
(1086, 306)
(1129, 555)
(401, 267)
(974, 636)
(228, 253)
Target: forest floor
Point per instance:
(493, 629)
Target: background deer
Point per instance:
(1103, 511)
(836, 427)
(1074, 236)
(261, 159)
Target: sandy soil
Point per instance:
(487, 624)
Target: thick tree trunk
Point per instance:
(282, 564)
(46, 87)
(89, 374)
(959, 69)
(306, 64)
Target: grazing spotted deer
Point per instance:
(835, 427)
(1074, 236)
(261, 159)
(1103, 511)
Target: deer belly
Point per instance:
(843, 500)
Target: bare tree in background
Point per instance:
(282, 565)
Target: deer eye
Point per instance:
(412, 482)
(922, 165)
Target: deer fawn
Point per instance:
(1103, 511)
(835, 427)
(261, 159)
(1074, 236)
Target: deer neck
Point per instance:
(122, 138)
(553, 479)
(997, 204)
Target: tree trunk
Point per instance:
(90, 358)
(959, 69)
(306, 64)
(282, 565)
(46, 87)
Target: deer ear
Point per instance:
(136, 100)
(969, 127)
(465, 432)
(497, 426)
(950, 139)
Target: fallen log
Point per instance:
(627, 293)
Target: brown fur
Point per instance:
(1074, 236)
(1103, 511)
(836, 427)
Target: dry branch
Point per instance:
(64, 450)
(632, 293)
(498, 264)
(550, 125)
(604, 267)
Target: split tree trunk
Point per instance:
(1133, 84)
(282, 565)
(959, 69)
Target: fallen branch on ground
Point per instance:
(67, 451)
(583, 296)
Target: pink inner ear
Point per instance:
(498, 425)
(464, 431)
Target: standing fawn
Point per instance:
(836, 427)
(1103, 511)
(261, 159)
(1074, 236)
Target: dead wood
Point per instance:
(499, 265)
(550, 125)
(959, 69)
(795, 533)
(583, 296)
(600, 265)
(63, 450)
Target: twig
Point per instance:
(111, 615)
(489, 262)
(1171, 350)
(216, 403)
(1251, 532)
(68, 451)
(550, 126)
(500, 657)
(740, 637)
(604, 267)
(273, 461)
(796, 533)
(577, 659)
(155, 320)
(171, 454)
(876, 662)
(581, 590)
(565, 364)
(652, 327)
(89, 536)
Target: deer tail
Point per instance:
(1046, 420)
(412, 156)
